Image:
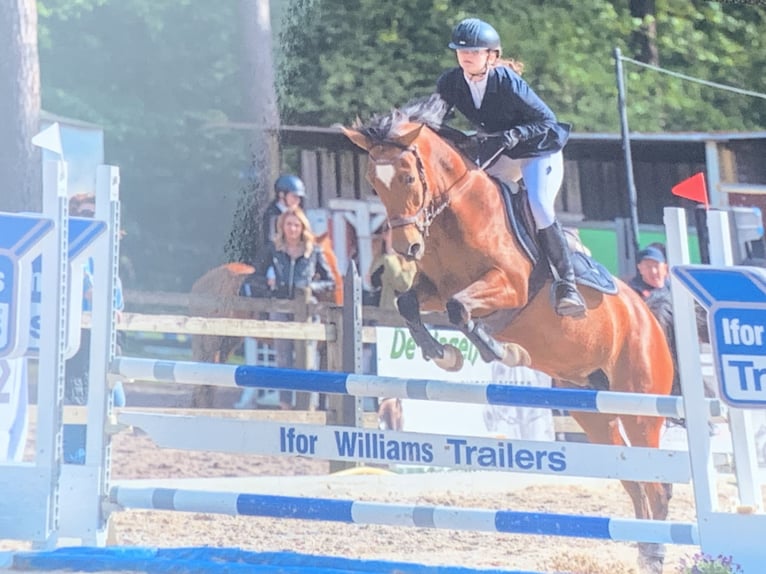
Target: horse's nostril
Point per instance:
(414, 250)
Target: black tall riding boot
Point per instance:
(569, 302)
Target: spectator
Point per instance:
(289, 192)
(661, 246)
(652, 272)
(291, 264)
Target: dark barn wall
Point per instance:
(604, 189)
(750, 167)
(657, 167)
(594, 189)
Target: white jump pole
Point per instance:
(740, 420)
(690, 368)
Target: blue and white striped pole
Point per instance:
(585, 400)
(440, 517)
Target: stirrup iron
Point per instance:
(570, 304)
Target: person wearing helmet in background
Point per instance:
(289, 192)
(491, 94)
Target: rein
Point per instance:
(429, 209)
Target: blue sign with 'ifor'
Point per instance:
(736, 302)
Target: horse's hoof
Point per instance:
(651, 557)
(516, 356)
(451, 361)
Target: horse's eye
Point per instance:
(408, 179)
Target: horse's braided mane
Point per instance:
(429, 110)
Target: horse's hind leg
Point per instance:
(650, 499)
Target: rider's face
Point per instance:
(473, 62)
(292, 199)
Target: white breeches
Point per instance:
(542, 175)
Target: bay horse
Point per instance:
(449, 217)
(225, 282)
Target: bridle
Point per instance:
(429, 208)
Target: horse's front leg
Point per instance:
(490, 293)
(447, 357)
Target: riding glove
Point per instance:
(511, 138)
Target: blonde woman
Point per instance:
(294, 260)
(291, 262)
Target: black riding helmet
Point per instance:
(288, 183)
(474, 34)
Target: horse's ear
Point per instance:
(357, 137)
(407, 139)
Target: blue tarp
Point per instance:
(219, 560)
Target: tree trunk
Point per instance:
(644, 40)
(20, 168)
(260, 108)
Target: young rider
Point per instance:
(490, 93)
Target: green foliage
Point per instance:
(368, 56)
(155, 75)
(705, 564)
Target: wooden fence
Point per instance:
(343, 329)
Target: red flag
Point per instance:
(692, 188)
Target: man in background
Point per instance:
(652, 271)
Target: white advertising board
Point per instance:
(398, 356)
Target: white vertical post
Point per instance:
(362, 224)
(740, 420)
(103, 346)
(86, 485)
(339, 240)
(247, 397)
(690, 371)
(50, 378)
(713, 169)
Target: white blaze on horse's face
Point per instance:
(385, 173)
(393, 172)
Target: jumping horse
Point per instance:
(449, 216)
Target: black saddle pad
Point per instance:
(520, 218)
(588, 272)
(593, 274)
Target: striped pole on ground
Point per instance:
(441, 517)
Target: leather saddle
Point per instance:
(588, 271)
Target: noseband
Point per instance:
(429, 209)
